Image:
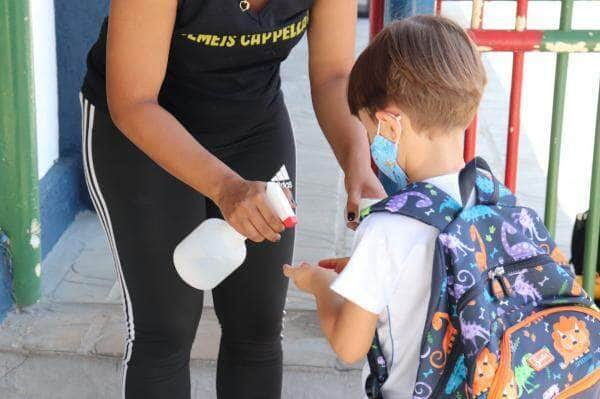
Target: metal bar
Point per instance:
(19, 204)
(375, 17)
(514, 115)
(573, 41)
(506, 40)
(558, 107)
(514, 122)
(471, 132)
(570, 41)
(592, 234)
(477, 14)
(521, 18)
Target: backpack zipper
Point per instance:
(497, 274)
(447, 372)
(452, 356)
(584, 384)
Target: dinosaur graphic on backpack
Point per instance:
(506, 317)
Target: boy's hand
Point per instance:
(336, 264)
(302, 275)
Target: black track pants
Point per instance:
(146, 212)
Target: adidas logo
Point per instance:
(283, 178)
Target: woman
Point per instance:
(184, 119)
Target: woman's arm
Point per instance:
(331, 37)
(139, 37)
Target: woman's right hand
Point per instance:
(245, 206)
(336, 264)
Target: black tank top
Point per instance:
(223, 68)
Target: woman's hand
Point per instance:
(360, 183)
(335, 264)
(245, 206)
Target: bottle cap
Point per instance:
(281, 205)
(290, 222)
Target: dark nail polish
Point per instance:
(351, 216)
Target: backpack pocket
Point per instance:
(554, 353)
(506, 300)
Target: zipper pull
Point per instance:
(496, 285)
(508, 290)
(507, 287)
(497, 289)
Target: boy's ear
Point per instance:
(391, 124)
(383, 117)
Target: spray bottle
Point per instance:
(214, 250)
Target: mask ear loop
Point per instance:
(378, 132)
(398, 119)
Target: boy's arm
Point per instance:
(348, 327)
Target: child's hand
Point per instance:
(302, 276)
(337, 264)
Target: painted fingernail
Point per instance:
(351, 216)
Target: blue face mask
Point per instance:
(384, 153)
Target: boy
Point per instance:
(415, 88)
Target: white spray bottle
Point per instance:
(213, 250)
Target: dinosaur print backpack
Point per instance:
(507, 318)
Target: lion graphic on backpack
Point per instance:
(571, 339)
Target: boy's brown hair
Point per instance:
(425, 65)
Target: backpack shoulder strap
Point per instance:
(422, 201)
(431, 205)
(478, 175)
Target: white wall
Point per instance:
(45, 78)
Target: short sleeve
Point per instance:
(369, 278)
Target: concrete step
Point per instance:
(74, 350)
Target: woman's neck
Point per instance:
(441, 154)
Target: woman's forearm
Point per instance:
(135, 71)
(344, 132)
(158, 134)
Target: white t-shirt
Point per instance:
(389, 274)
